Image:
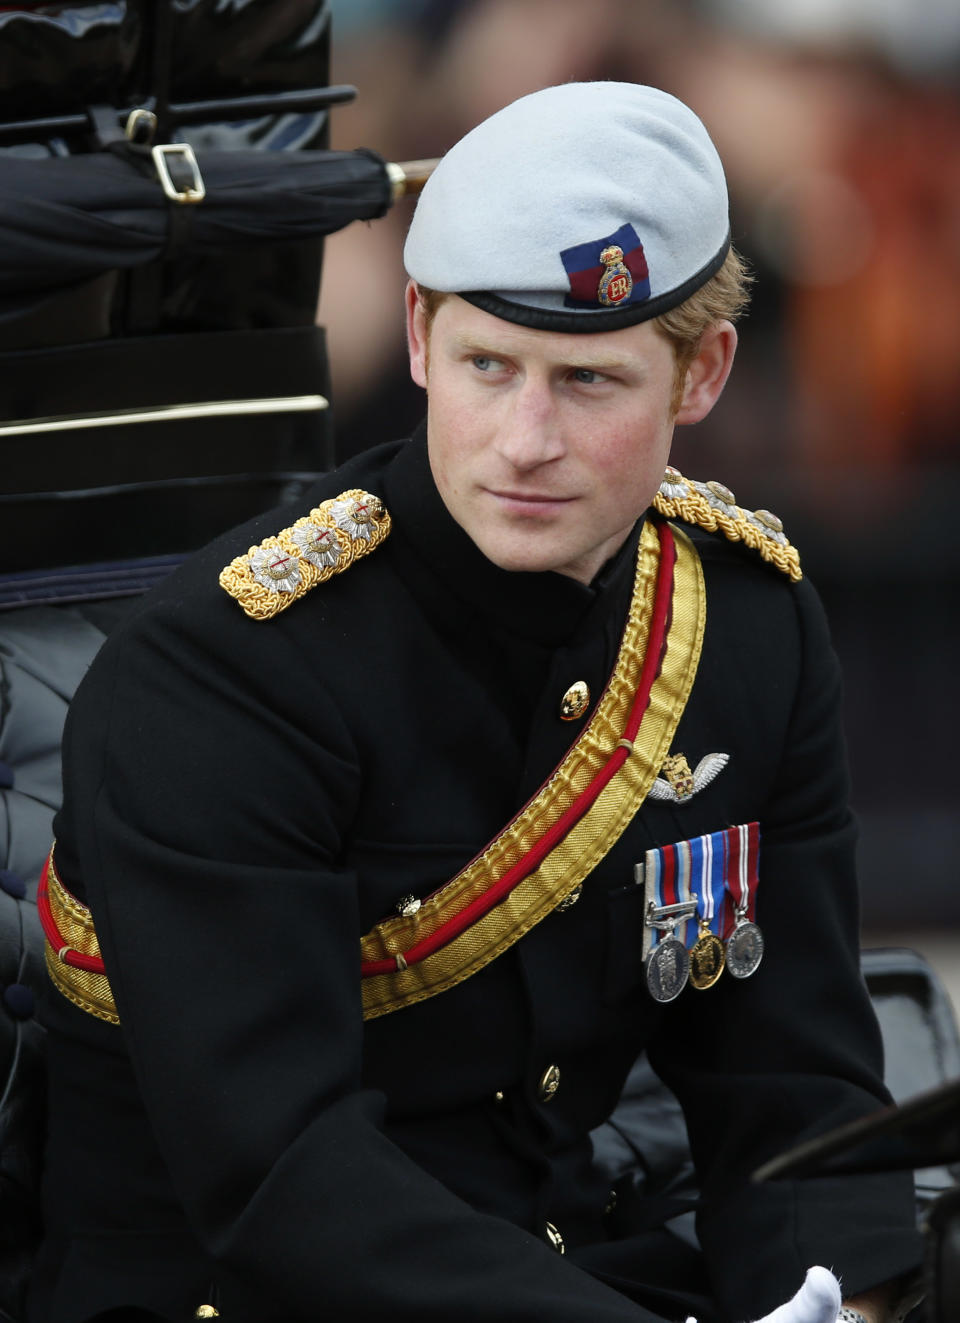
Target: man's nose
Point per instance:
(530, 433)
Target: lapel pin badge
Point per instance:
(677, 783)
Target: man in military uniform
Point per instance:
(398, 824)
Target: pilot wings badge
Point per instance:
(677, 783)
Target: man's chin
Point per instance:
(527, 560)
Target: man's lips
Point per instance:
(518, 499)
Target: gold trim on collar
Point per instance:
(579, 852)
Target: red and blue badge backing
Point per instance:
(585, 270)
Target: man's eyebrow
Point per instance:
(589, 361)
(597, 363)
(474, 345)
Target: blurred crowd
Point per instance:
(839, 125)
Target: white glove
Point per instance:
(817, 1301)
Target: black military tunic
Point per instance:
(245, 799)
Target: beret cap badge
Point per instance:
(616, 283)
(607, 272)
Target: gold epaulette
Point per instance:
(272, 576)
(714, 507)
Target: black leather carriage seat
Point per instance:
(44, 652)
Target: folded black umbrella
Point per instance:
(67, 219)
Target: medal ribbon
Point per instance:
(718, 870)
(661, 869)
(707, 867)
(682, 851)
(742, 873)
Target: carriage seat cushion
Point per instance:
(44, 652)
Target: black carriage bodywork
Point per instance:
(98, 358)
(144, 405)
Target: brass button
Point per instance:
(498, 1096)
(568, 902)
(555, 1239)
(575, 701)
(611, 1203)
(549, 1083)
(206, 1311)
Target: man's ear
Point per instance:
(416, 334)
(707, 374)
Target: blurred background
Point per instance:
(839, 124)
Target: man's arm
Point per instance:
(761, 1064)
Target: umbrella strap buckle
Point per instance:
(178, 172)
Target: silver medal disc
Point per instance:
(744, 950)
(667, 969)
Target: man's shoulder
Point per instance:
(190, 632)
(760, 605)
(725, 532)
(315, 537)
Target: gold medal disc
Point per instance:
(706, 959)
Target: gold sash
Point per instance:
(73, 953)
(70, 937)
(579, 852)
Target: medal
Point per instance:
(700, 895)
(666, 964)
(707, 880)
(667, 969)
(745, 943)
(706, 958)
(744, 949)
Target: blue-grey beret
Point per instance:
(584, 207)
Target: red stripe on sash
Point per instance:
(66, 954)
